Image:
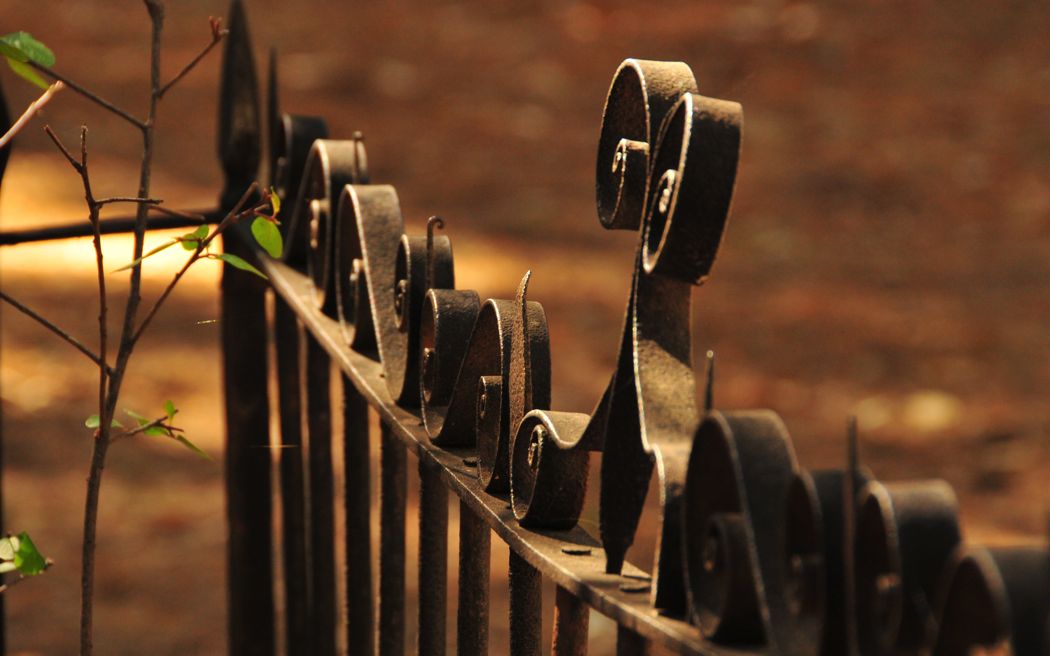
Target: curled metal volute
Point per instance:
(240, 130)
(639, 97)
(653, 409)
(815, 565)
(360, 158)
(805, 572)
(549, 483)
(327, 169)
(447, 323)
(367, 235)
(292, 137)
(433, 223)
(491, 423)
(739, 463)
(319, 260)
(994, 601)
(905, 534)
(693, 174)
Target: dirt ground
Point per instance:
(888, 254)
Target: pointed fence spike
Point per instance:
(709, 391)
(239, 121)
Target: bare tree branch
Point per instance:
(30, 111)
(217, 33)
(90, 95)
(46, 323)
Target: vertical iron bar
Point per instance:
(248, 501)
(526, 606)
(392, 546)
(433, 558)
(360, 628)
(472, 617)
(248, 504)
(571, 620)
(322, 499)
(629, 643)
(293, 491)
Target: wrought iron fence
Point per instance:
(755, 555)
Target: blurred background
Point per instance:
(888, 254)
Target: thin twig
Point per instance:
(236, 214)
(155, 8)
(90, 95)
(179, 213)
(30, 111)
(22, 577)
(74, 162)
(46, 323)
(127, 199)
(216, 36)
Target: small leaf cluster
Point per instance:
(159, 427)
(19, 554)
(264, 229)
(19, 49)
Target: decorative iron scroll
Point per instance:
(754, 550)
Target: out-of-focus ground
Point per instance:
(888, 255)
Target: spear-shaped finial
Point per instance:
(240, 131)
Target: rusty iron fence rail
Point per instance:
(756, 554)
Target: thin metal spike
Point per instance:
(433, 223)
(852, 453)
(5, 125)
(709, 391)
(240, 133)
(273, 107)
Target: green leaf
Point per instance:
(268, 236)
(170, 409)
(239, 263)
(93, 422)
(27, 73)
(193, 447)
(190, 240)
(152, 252)
(27, 49)
(137, 417)
(275, 202)
(27, 559)
(157, 431)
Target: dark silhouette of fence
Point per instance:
(755, 554)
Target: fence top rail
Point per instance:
(572, 558)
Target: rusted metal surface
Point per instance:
(472, 616)
(571, 620)
(322, 498)
(244, 333)
(360, 622)
(393, 491)
(526, 606)
(433, 559)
